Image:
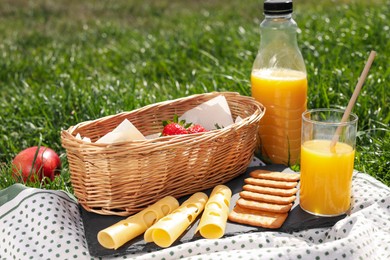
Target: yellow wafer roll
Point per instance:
(127, 229)
(170, 227)
(214, 218)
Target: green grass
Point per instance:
(64, 62)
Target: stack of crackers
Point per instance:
(266, 199)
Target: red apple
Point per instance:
(47, 164)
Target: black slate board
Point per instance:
(297, 220)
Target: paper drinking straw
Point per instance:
(352, 101)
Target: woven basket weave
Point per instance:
(124, 178)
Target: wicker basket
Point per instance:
(123, 178)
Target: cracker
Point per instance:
(257, 218)
(271, 183)
(276, 176)
(266, 198)
(263, 206)
(269, 190)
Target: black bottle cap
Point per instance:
(278, 7)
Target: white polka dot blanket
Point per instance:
(46, 224)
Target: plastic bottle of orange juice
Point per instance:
(279, 82)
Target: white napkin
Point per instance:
(208, 114)
(86, 139)
(125, 131)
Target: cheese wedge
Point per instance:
(170, 227)
(118, 234)
(214, 218)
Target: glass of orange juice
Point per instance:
(326, 170)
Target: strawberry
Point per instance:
(174, 127)
(196, 129)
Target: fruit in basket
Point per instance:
(174, 127)
(35, 164)
(193, 129)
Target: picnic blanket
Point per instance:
(46, 224)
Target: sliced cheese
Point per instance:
(170, 227)
(214, 218)
(127, 229)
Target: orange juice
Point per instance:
(326, 177)
(284, 94)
